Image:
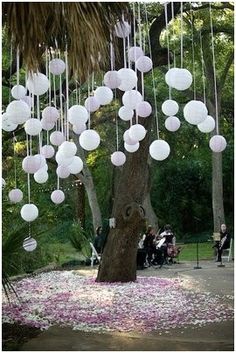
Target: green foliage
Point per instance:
(80, 239)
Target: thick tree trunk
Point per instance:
(150, 214)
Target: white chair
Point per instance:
(94, 255)
(227, 253)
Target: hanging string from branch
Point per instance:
(67, 95)
(17, 66)
(28, 175)
(168, 43)
(14, 158)
(203, 71)
(141, 46)
(193, 54)
(181, 35)
(117, 128)
(173, 31)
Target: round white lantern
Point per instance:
(159, 150)
(57, 138)
(28, 100)
(62, 171)
(3, 183)
(40, 160)
(131, 148)
(112, 79)
(18, 91)
(51, 114)
(79, 128)
(29, 244)
(15, 195)
(128, 79)
(33, 127)
(144, 109)
(68, 149)
(169, 76)
(125, 113)
(78, 114)
(57, 196)
(104, 95)
(37, 84)
(57, 66)
(170, 107)
(30, 164)
(7, 125)
(29, 212)
(18, 111)
(195, 112)
(207, 125)
(135, 53)
(118, 158)
(41, 176)
(144, 64)
(91, 104)
(137, 132)
(128, 139)
(89, 140)
(47, 124)
(62, 160)
(122, 29)
(76, 166)
(217, 143)
(47, 151)
(131, 99)
(172, 123)
(181, 79)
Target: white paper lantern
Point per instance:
(76, 166)
(112, 79)
(79, 128)
(122, 29)
(18, 91)
(195, 112)
(62, 160)
(51, 114)
(169, 76)
(47, 151)
(57, 138)
(68, 149)
(131, 148)
(170, 107)
(172, 123)
(30, 164)
(45, 167)
(41, 176)
(62, 171)
(18, 111)
(46, 124)
(3, 183)
(57, 66)
(37, 84)
(159, 150)
(29, 244)
(144, 64)
(128, 78)
(128, 139)
(137, 132)
(217, 143)
(181, 79)
(125, 113)
(135, 53)
(28, 100)
(131, 99)
(118, 158)
(29, 212)
(78, 114)
(89, 140)
(33, 127)
(104, 95)
(7, 125)
(15, 195)
(57, 196)
(91, 104)
(207, 125)
(41, 160)
(144, 109)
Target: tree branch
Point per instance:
(224, 74)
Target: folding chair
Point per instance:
(227, 253)
(94, 255)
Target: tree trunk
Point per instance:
(150, 214)
(80, 203)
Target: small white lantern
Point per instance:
(29, 244)
(125, 113)
(29, 212)
(159, 150)
(15, 195)
(122, 29)
(144, 109)
(217, 143)
(172, 123)
(51, 114)
(89, 140)
(128, 78)
(41, 160)
(18, 92)
(181, 80)
(104, 95)
(57, 196)
(62, 160)
(118, 158)
(47, 151)
(169, 76)
(76, 166)
(47, 124)
(18, 111)
(131, 99)
(195, 112)
(207, 125)
(135, 53)
(62, 171)
(30, 164)
(28, 100)
(131, 148)
(41, 176)
(68, 149)
(57, 66)
(91, 104)
(57, 138)
(78, 114)
(33, 127)
(144, 64)
(170, 107)
(7, 125)
(137, 132)
(79, 128)
(128, 139)
(37, 84)
(112, 79)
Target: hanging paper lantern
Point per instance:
(131, 99)
(104, 95)
(112, 79)
(128, 78)
(91, 104)
(144, 64)
(29, 244)
(89, 140)
(128, 139)
(28, 100)
(122, 29)
(15, 195)
(118, 158)
(195, 112)
(3, 183)
(40, 160)
(37, 84)
(207, 125)
(78, 114)
(62, 171)
(57, 66)
(181, 79)
(29, 212)
(131, 148)
(57, 138)
(33, 127)
(57, 196)
(159, 150)
(46, 124)
(18, 111)
(137, 132)
(62, 160)
(172, 123)
(125, 113)
(169, 76)
(30, 164)
(18, 92)
(68, 149)
(47, 151)
(144, 109)
(170, 107)
(217, 143)
(135, 53)
(79, 128)
(41, 176)
(51, 114)
(7, 125)
(76, 166)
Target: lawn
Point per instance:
(189, 251)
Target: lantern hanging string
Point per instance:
(61, 103)
(79, 95)
(28, 175)
(203, 71)
(141, 46)
(9, 96)
(124, 46)
(134, 28)
(76, 92)
(173, 30)
(193, 55)
(38, 117)
(47, 69)
(167, 42)
(89, 103)
(17, 66)
(214, 69)
(117, 128)
(14, 153)
(50, 84)
(32, 115)
(111, 54)
(181, 34)
(58, 183)
(67, 94)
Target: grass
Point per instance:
(189, 251)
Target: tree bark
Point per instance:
(151, 217)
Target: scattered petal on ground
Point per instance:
(65, 298)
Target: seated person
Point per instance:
(99, 240)
(224, 242)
